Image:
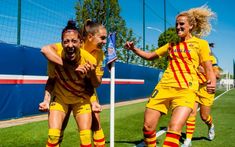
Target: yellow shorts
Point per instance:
(164, 98)
(204, 98)
(94, 97)
(81, 107)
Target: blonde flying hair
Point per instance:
(200, 18)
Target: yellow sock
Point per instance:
(209, 120)
(61, 136)
(190, 127)
(150, 138)
(85, 138)
(53, 138)
(172, 139)
(98, 138)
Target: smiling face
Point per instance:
(99, 39)
(71, 44)
(183, 28)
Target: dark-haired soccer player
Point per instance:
(71, 90)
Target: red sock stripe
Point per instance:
(89, 145)
(189, 124)
(149, 134)
(52, 144)
(99, 140)
(171, 144)
(189, 132)
(150, 142)
(172, 135)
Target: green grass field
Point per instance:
(128, 128)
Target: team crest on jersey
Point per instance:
(190, 84)
(190, 45)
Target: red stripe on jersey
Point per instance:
(203, 80)
(187, 51)
(68, 74)
(65, 84)
(182, 58)
(178, 65)
(173, 70)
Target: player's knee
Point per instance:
(148, 127)
(175, 127)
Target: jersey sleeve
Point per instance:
(51, 69)
(162, 50)
(204, 51)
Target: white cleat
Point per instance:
(187, 143)
(211, 132)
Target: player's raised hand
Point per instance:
(83, 69)
(129, 45)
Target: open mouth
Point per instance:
(71, 53)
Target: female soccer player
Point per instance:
(179, 84)
(205, 100)
(94, 35)
(70, 89)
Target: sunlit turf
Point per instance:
(128, 127)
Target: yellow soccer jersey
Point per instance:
(202, 76)
(99, 56)
(70, 86)
(184, 59)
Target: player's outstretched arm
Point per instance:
(49, 51)
(139, 52)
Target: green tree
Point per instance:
(169, 36)
(97, 10)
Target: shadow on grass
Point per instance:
(183, 137)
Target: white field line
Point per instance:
(159, 133)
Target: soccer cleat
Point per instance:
(211, 132)
(187, 143)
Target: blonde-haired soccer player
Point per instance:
(94, 37)
(179, 84)
(71, 90)
(205, 101)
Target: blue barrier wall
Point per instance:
(23, 77)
